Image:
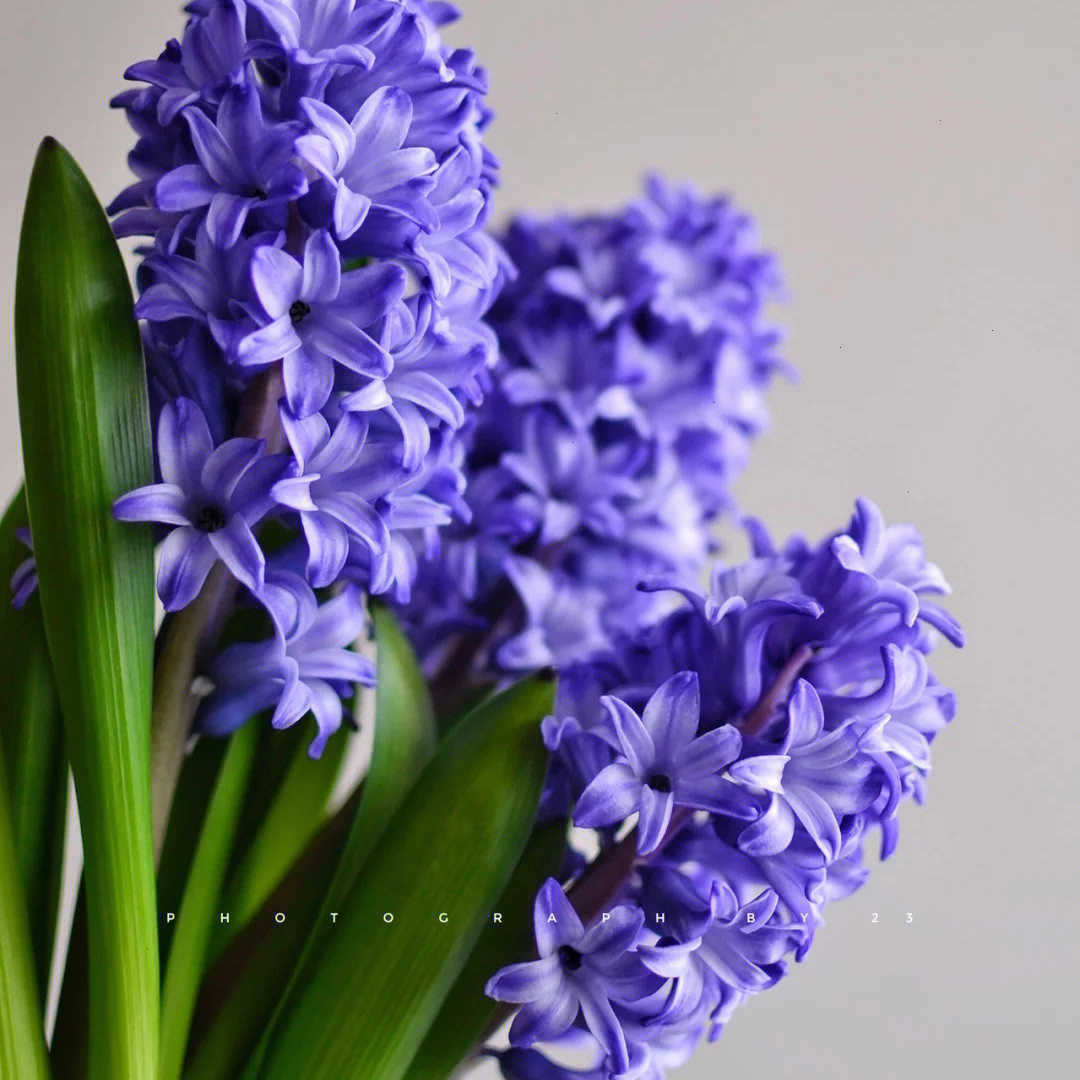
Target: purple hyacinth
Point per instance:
(307, 669)
(579, 971)
(243, 163)
(789, 711)
(816, 777)
(635, 354)
(662, 763)
(314, 316)
(312, 191)
(212, 496)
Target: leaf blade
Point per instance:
(83, 413)
(194, 925)
(363, 1009)
(22, 1030)
(404, 741)
(467, 1014)
(31, 727)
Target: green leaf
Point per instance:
(295, 813)
(366, 1000)
(86, 440)
(404, 741)
(244, 984)
(467, 1015)
(33, 736)
(194, 923)
(22, 1030)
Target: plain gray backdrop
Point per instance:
(917, 168)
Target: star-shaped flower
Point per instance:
(212, 495)
(663, 763)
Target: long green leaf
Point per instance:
(363, 1006)
(33, 735)
(22, 1030)
(297, 810)
(404, 741)
(467, 1014)
(244, 984)
(86, 440)
(194, 923)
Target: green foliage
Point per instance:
(467, 1016)
(22, 1031)
(86, 440)
(33, 737)
(365, 1002)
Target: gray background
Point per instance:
(917, 167)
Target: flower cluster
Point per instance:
(312, 184)
(634, 359)
(732, 759)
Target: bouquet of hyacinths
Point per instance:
(441, 724)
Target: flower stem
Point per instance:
(762, 712)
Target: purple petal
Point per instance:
(309, 380)
(225, 218)
(295, 493)
(555, 922)
(616, 934)
(817, 818)
(613, 795)
(184, 188)
(603, 1023)
(328, 548)
(656, 807)
(322, 269)
(350, 346)
(764, 771)
(268, 344)
(328, 710)
(296, 697)
(334, 131)
(672, 715)
(184, 563)
(350, 210)
(772, 832)
(709, 753)
(155, 502)
(544, 1020)
(214, 152)
(277, 279)
(305, 436)
(805, 713)
(240, 552)
(530, 981)
(184, 444)
(635, 740)
(225, 466)
(382, 123)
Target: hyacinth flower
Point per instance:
(578, 971)
(431, 510)
(662, 763)
(213, 496)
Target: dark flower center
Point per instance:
(659, 782)
(209, 519)
(299, 311)
(570, 957)
(256, 193)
